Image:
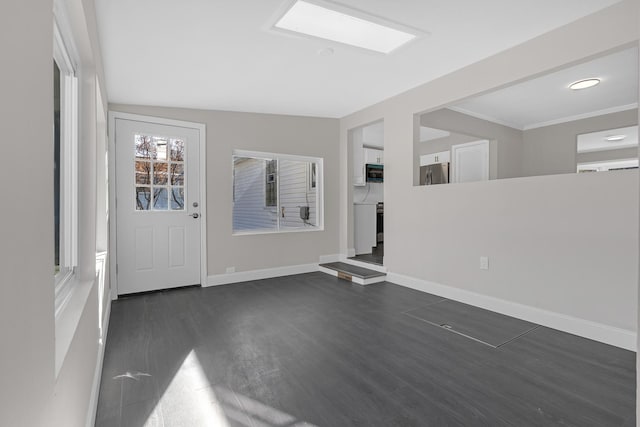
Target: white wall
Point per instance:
(228, 131)
(30, 393)
(564, 243)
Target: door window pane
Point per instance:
(177, 198)
(163, 159)
(160, 173)
(143, 198)
(177, 174)
(160, 199)
(145, 148)
(143, 172)
(176, 149)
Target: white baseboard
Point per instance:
(325, 259)
(585, 328)
(97, 376)
(351, 252)
(267, 273)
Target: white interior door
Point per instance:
(470, 161)
(157, 206)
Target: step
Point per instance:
(353, 273)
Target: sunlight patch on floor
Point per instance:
(190, 400)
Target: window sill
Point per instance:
(281, 231)
(68, 316)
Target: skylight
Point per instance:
(318, 21)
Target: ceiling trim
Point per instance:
(582, 116)
(484, 117)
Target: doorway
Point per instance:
(159, 201)
(368, 192)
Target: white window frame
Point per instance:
(65, 56)
(319, 190)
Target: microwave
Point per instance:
(374, 173)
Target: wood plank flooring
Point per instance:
(314, 350)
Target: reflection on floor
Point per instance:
(375, 257)
(318, 351)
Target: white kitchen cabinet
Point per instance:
(470, 162)
(365, 227)
(441, 157)
(373, 156)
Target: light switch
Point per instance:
(484, 263)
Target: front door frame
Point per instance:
(113, 226)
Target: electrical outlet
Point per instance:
(231, 269)
(484, 263)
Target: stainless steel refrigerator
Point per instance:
(436, 173)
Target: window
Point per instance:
(276, 193)
(65, 166)
(159, 173)
(271, 193)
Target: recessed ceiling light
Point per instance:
(327, 51)
(615, 138)
(318, 21)
(584, 84)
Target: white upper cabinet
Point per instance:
(429, 159)
(373, 156)
(358, 159)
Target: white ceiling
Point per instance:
(429, 134)
(596, 141)
(547, 100)
(222, 54)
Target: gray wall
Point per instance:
(226, 131)
(601, 156)
(507, 142)
(546, 150)
(30, 393)
(552, 149)
(563, 243)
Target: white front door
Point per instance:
(157, 206)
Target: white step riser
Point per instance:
(354, 279)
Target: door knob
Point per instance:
(195, 215)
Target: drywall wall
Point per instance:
(507, 142)
(552, 149)
(26, 306)
(602, 156)
(563, 243)
(30, 392)
(228, 131)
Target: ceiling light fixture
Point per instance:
(584, 84)
(318, 21)
(615, 138)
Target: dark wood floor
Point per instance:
(315, 350)
(375, 257)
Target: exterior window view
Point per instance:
(159, 173)
(274, 193)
